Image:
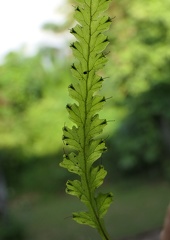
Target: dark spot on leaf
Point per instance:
(64, 137)
(69, 183)
(65, 129)
(100, 80)
(108, 20)
(73, 46)
(110, 195)
(104, 122)
(106, 40)
(102, 141)
(103, 99)
(72, 31)
(73, 66)
(68, 106)
(78, 9)
(71, 86)
(104, 149)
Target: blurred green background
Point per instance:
(33, 95)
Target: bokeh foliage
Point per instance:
(140, 78)
(33, 95)
(32, 99)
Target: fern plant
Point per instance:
(84, 136)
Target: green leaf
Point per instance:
(74, 188)
(84, 218)
(103, 5)
(97, 147)
(103, 203)
(96, 104)
(84, 137)
(71, 137)
(101, 26)
(74, 112)
(96, 125)
(80, 1)
(75, 92)
(82, 15)
(71, 162)
(97, 176)
(76, 70)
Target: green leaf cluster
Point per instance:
(141, 144)
(140, 43)
(87, 146)
(31, 96)
(139, 68)
(31, 99)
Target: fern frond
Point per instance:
(83, 137)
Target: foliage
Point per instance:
(31, 112)
(33, 90)
(140, 64)
(28, 86)
(140, 47)
(83, 136)
(142, 142)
